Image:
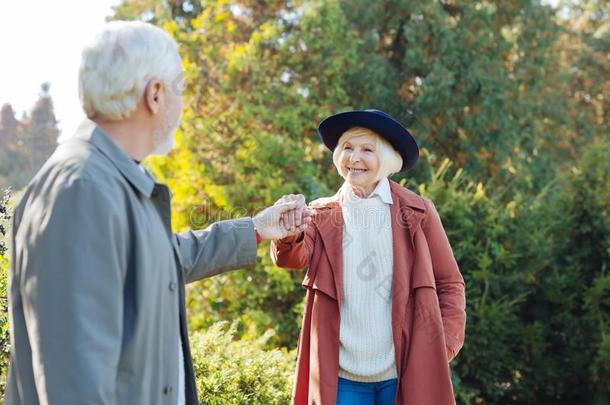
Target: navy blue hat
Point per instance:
(331, 129)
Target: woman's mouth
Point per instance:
(354, 170)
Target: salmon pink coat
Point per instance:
(428, 301)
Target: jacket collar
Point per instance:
(407, 197)
(140, 179)
(404, 196)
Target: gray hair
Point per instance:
(118, 64)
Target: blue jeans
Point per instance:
(363, 393)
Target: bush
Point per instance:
(570, 309)
(4, 334)
(238, 371)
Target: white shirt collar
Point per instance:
(382, 190)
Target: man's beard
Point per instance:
(164, 137)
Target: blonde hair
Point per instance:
(390, 161)
(118, 64)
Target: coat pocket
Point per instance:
(423, 277)
(428, 321)
(423, 274)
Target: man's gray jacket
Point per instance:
(96, 302)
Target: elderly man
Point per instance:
(96, 305)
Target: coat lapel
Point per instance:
(330, 226)
(406, 212)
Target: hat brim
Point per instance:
(331, 129)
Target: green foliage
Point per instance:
(235, 372)
(4, 217)
(4, 332)
(506, 89)
(572, 297)
(157, 11)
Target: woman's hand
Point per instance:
(287, 217)
(293, 219)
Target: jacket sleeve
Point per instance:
(450, 286)
(294, 252)
(70, 257)
(223, 246)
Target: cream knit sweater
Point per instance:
(366, 350)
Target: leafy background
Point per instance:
(509, 102)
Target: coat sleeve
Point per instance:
(450, 285)
(294, 252)
(70, 261)
(223, 246)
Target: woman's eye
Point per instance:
(347, 148)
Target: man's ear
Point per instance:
(153, 94)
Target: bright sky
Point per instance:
(40, 41)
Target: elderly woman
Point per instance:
(385, 306)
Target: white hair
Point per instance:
(118, 64)
(390, 161)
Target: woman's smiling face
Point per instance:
(359, 162)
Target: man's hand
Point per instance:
(288, 216)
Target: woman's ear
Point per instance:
(153, 94)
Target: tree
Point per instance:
(470, 78)
(27, 143)
(584, 45)
(8, 127)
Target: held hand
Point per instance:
(273, 222)
(291, 220)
